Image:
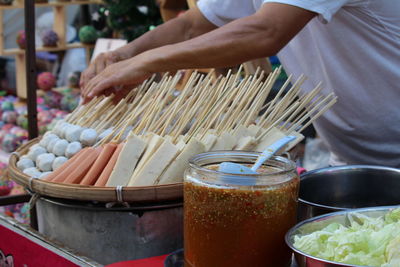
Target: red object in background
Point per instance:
(300, 170)
(21, 251)
(149, 262)
(4, 190)
(46, 81)
(21, 246)
(21, 39)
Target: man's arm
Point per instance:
(191, 24)
(260, 35)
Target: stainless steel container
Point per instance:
(319, 222)
(352, 186)
(109, 235)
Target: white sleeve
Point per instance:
(325, 8)
(221, 12)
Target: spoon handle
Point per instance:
(271, 150)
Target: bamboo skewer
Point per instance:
(327, 101)
(166, 129)
(305, 100)
(275, 112)
(316, 116)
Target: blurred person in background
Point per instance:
(352, 46)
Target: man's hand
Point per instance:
(187, 26)
(116, 78)
(262, 34)
(100, 63)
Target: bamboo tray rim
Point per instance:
(139, 194)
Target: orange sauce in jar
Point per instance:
(229, 226)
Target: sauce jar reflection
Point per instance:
(238, 220)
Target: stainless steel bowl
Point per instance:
(352, 186)
(319, 222)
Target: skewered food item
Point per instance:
(148, 137)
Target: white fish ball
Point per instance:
(34, 147)
(35, 151)
(47, 133)
(88, 137)
(73, 133)
(32, 172)
(25, 163)
(105, 133)
(57, 130)
(59, 147)
(45, 161)
(50, 135)
(24, 157)
(72, 149)
(61, 129)
(44, 174)
(58, 162)
(57, 126)
(46, 139)
(51, 144)
(44, 156)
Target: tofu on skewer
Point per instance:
(127, 161)
(174, 172)
(153, 168)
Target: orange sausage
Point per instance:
(102, 181)
(62, 176)
(99, 165)
(76, 176)
(57, 173)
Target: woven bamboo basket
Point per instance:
(157, 193)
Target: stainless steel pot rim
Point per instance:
(100, 206)
(348, 167)
(331, 208)
(289, 234)
(305, 175)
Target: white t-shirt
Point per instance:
(353, 47)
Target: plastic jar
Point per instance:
(238, 220)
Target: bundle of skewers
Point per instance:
(147, 138)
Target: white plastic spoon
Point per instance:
(235, 168)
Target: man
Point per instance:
(352, 46)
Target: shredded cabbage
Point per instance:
(366, 241)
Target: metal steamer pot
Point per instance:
(347, 187)
(319, 222)
(112, 234)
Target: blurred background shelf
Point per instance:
(20, 4)
(59, 27)
(18, 51)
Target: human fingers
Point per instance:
(90, 73)
(106, 59)
(112, 57)
(98, 65)
(86, 76)
(101, 64)
(105, 79)
(97, 86)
